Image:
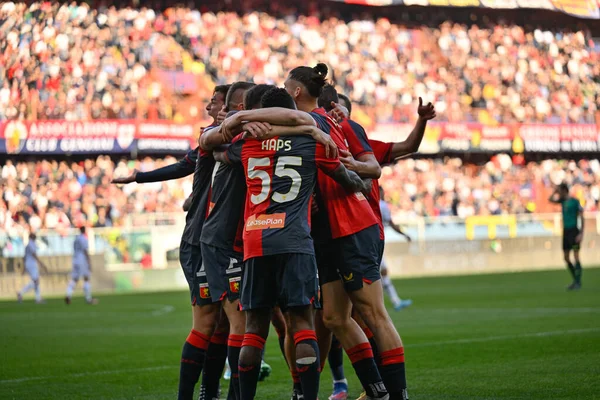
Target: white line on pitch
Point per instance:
(457, 341)
(506, 337)
(82, 374)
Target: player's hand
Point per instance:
(222, 115)
(338, 112)
(348, 161)
(579, 238)
(125, 180)
(426, 112)
(257, 130)
(331, 149)
(227, 128)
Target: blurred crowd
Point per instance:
(450, 187)
(60, 195)
(72, 61)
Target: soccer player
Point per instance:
(31, 264)
(347, 237)
(573, 223)
(385, 153)
(221, 239)
(280, 267)
(205, 342)
(388, 286)
(82, 267)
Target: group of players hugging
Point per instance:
(284, 227)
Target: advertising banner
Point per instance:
(578, 8)
(94, 137)
(516, 138)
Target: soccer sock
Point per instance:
(308, 362)
(234, 345)
(363, 362)
(214, 364)
(38, 294)
(393, 373)
(296, 379)
(571, 269)
(192, 361)
(390, 289)
(336, 360)
(87, 290)
(70, 288)
(248, 372)
(27, 288)
(373, 344)
(578, 272)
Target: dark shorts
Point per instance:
(354, 259)
(284, 280)
(190, 257)
(223, 270)
(569, 239)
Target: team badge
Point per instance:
(204, 291)
(234, 284)
(349, 277)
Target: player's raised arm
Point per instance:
(413, 141)
(182, 168)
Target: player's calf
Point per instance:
(308, 362)
(368, 301)
(257, 330)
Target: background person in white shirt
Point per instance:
(32, 265)
(82, 268)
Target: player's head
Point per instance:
(328, 95)
(32, 236)
(345, 101)
(306, 82)
(217, 100)
(235, 96)
(253, 96)
(277, 97)
(563, 190)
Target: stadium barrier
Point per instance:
(135, 258)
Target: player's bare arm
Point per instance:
(366, 165)
(579, 237)
(398, 229)
(212, 138)
(275, 116)
(259, 131)
(338, 112)
(413, 141)
(350, 180)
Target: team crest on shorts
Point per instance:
(204, 291)
(349, 277)
(234, 284)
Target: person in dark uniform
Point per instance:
(573, 221)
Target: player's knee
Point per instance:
(335, 321)
(374, 314)
(305, 351)
(206, 317)
(566, 257)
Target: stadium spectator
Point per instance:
(58, 195)
(84, 63)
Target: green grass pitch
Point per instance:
(513, 336)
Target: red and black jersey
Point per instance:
(356, 137)
(280, 174)
(224, 214)
(383, 153)
(347, 213)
